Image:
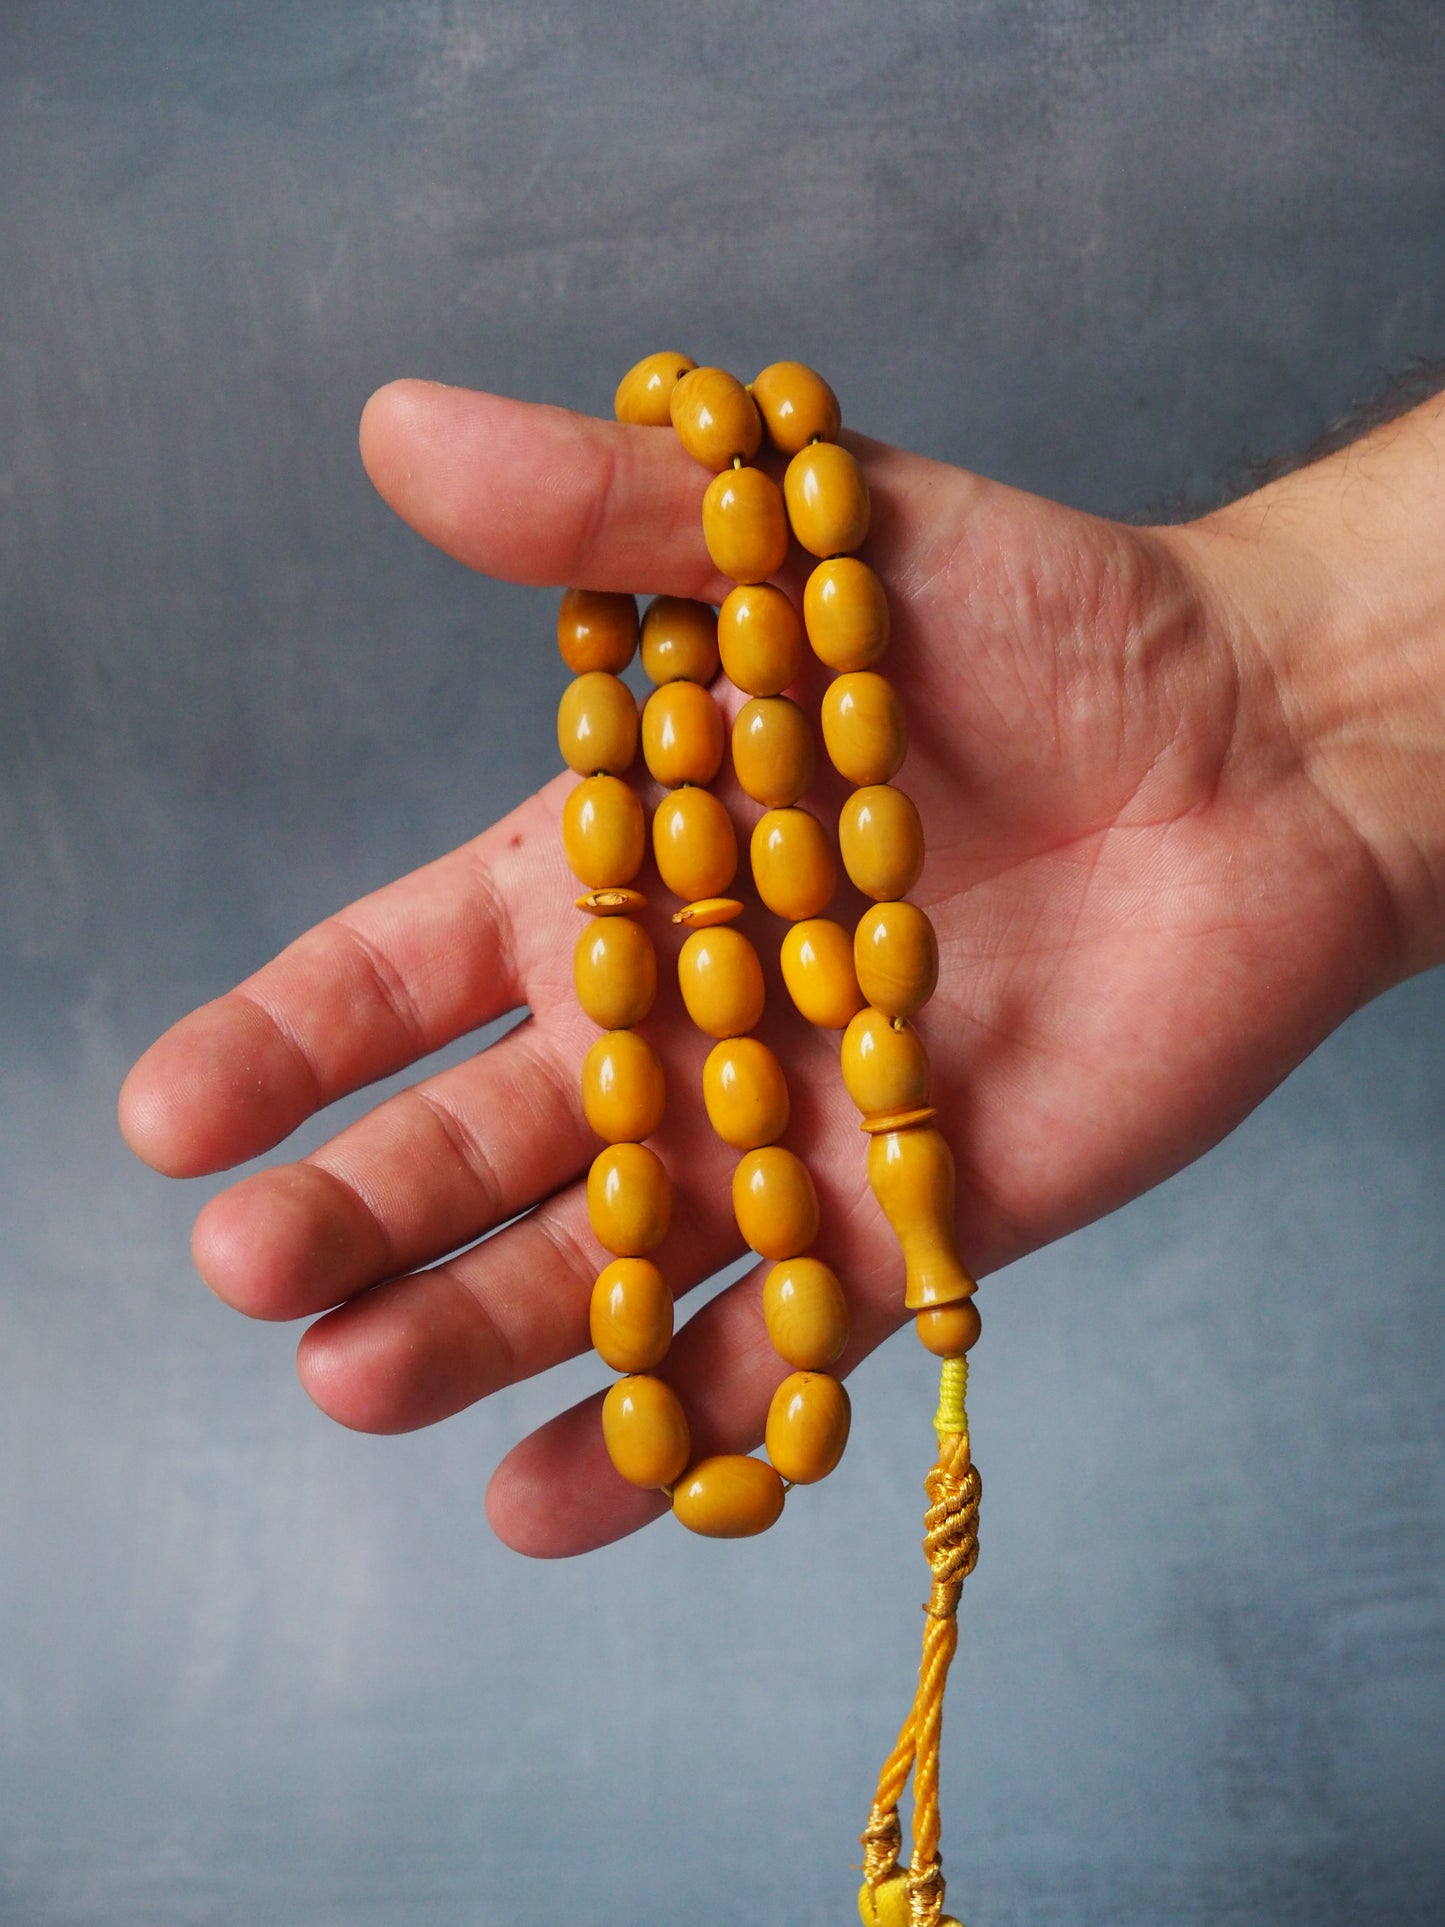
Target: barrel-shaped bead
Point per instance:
(679, 640)
(885, 1067)
(644, 394)
(721, 981)
(746, 1093)
(715, 417)
(623, 1091)
(694, 843)
(729, 1497)
(817, 960)
(702, 913)
(827, 499)
(865, 731)
(597, 724)
(596, 629)
(614, 970)
(880, 840)
(630, 1315)
(603, 833)
(797, 406)
(805, 1312)
(760, 639)
(807, 1428)
(845, 613)
(682, 735)
(949, 1330)
(645, 1431)
(774, 1203)
(773, 753)
(745, 525)
(895, 953)
(911, 1175)
(794, 867)
(629, 1200)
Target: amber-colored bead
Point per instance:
(715, 417)
(721, 981)
(644, 394)
(682, 735)
(950, 1330)
(806, 1313)
(888, 1905)
(745, 525)
(694, 843)
(845, 613)
(707, 911)
(679, 641)
(808, 1424)
(885, 1068)
(616, 902)
(630, 1316)
(596, 630)
(896, 956)
(817, 959)
(645, 1431)
(880, 840)
(760, 639)
(794, 868)
(827, 499)
(603, 833)
(614, 969)
(773, 754)
(629, 1200)
(746, 1093)
(729, 1497)
(597, 724)
(774, 1202)
(911, 1175)
(864, 729)
(623, 1091)
(797, 406)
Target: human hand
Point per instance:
(1183, 815)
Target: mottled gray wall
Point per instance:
(254, 1668)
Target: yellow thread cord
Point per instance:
(950, 1544)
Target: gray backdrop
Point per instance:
(255, 1668)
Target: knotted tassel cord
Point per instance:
(950, 1544)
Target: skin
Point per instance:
(1184, 799)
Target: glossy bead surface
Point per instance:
(827, 499)
(614, 970)
(845, 613)
(603, 833)
(715, 417)
(597, 724)
(794, 868)
(682, 735)
(745, 525)
(864, 729)
(950, 1330)
(630, 1316)
(721, 981)
(773, 754)
(807, 1429)
(797, 406)
(817, 960)
(644, 394)
(679, 640)
(694, 844)
(911, 1175)
(645, 1430)
(629, 1200)
(880, 840)
(707, 911)
(760, 639)
(616, 902)
(623, 1092)
(746, 1093)
(806, 1313)
(729, 1497)
(884, 1069)
(596, 630)
(896, 956)
(774, 1203)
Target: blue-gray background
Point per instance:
(254, 1668)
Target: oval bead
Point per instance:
(597, 724)
(827, 498)
(682, 735)
(729, 1497)
(745, 525)
(715, 417)
(679, 640)
(884, 1069)
(806, 1313)
(774, 1203)
(865, 731)
(797, 406)
(644, 394)
(817, 959)
(617, 902)
(623, 1091)
(645, 1430)
(694, 844)
(629, 1200)
(603, 833)
(911, 1175)
(614, 970)
(794, 868)
(880, 840)
(596, 630)
(721, 981)
(746, 1093)
(630, 1316)
(773, 754)
(948, 1331)
(808, 1424)
(760, 639)
(708, 911)
(845, 613)
(895, 953)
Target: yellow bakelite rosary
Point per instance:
(867, 986)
